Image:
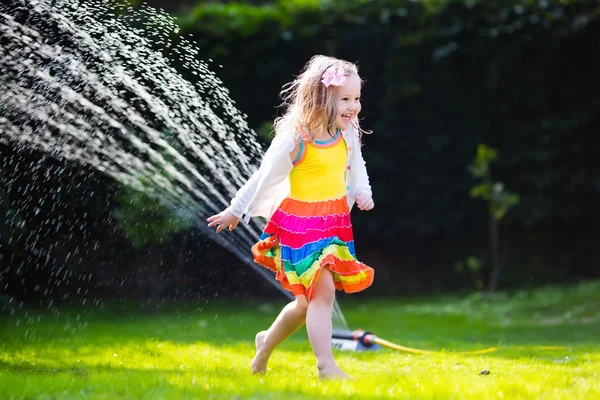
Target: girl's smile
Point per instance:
(347, 102)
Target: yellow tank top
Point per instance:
(319, 171)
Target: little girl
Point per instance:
(308, 180)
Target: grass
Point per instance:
(203, 351)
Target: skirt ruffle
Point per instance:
(302, 238)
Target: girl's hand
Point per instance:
(224, 219)
(364, 201)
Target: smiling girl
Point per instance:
(308, 181)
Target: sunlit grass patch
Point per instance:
(188, 351)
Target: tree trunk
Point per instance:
(495, 247)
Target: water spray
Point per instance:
(93, 83)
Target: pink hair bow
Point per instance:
(333, 77)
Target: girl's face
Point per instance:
(347, 102)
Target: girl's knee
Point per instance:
(324, 287)
(301, 304)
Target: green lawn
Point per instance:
(204, 351)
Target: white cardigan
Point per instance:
(269, 185)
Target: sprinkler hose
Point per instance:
(368, 339)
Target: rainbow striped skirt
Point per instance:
(302, 238)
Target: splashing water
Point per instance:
(93, 82)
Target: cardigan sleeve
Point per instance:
(274, 167)
(360, 168)
(239, 204)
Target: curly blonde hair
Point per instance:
(308, 102)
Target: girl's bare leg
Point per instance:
(289, 320)
(319, 326)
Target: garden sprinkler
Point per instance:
(360, 340)
(357, 340)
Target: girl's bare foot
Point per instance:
(259, 363)
(334, 372)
